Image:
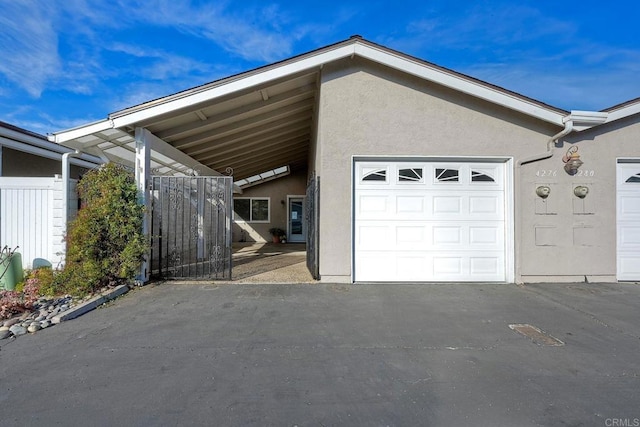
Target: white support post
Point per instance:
(66, 187)
(143, 181)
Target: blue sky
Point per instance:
(68, 63)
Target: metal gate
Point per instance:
(191, 227)
(312, 210)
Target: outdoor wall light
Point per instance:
(572, 161)
(581, 191)
(543, 191)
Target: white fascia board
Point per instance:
(624, 112)
(441, 77)
(79, 132)
(233, 86)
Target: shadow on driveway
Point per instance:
(270, 263)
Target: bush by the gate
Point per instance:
(105, 243)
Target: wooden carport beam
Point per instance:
(161, 147)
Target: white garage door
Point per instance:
(628, 221)
(429, 221)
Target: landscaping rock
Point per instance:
(34, 327)
(11, 322)
(4, 332)
(18, 330)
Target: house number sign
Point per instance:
(546, 173)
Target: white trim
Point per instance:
(623, 112)
(80, 131)
(510, 217)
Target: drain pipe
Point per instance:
(66, 188)
(568, 128)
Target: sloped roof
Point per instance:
(19, 139)
(262, 119)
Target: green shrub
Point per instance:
(105, 244)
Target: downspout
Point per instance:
(568, 128)
(66, 188)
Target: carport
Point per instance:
(236, 127)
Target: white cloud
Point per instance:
(28, 44)
(252, 33)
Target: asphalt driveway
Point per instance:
(319, 355)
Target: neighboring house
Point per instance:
(418, 173)
(31, 194)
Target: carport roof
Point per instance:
(261, 119)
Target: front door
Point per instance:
(297, 228)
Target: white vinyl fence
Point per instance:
(31, 217)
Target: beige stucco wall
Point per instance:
(576, 239)
(369, 110)
(277, 191)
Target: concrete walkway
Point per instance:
(270, 263)
(322, 354)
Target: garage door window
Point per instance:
(251, 209)
(477, 176)
(410, 175)
(375, 175)
(633, 178)
(446, 175)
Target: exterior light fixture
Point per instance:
(581, 191)
(572, 161)
(543, 191)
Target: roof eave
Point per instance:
(310, 61)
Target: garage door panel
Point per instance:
(629, 267)
(374, 204)
(484, 205)
(410, 267)
(447, 205)
(410, 236)
(444, 266)
(443, 235)
(410, 204)
(486, 235)
(485, 265)
(629, 206)
(629, 236)
(375, 237)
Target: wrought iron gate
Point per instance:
(191, 227)
(312, 211)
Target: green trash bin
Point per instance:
(11, 266)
